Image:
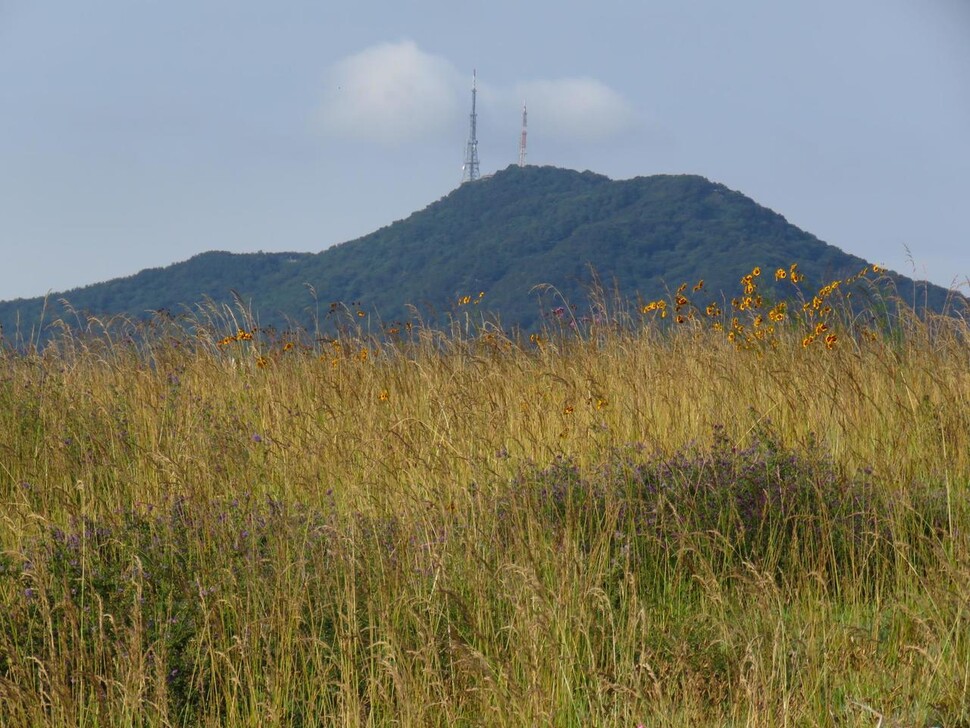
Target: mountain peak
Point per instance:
(504, 235)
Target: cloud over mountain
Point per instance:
(395, 93)
(581, 109)
(390, 93)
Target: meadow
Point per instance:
(654, 514)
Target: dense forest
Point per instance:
(529, 238)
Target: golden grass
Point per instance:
(408, 568)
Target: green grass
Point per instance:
(629, 522)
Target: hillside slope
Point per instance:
(502, 235)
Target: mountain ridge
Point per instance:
(502, 235)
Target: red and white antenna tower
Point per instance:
(522, 138)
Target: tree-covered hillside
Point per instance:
(503, 235)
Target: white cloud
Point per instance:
(395, 93)
(581, 109)
(391, 93)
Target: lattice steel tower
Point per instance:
(469, 170)
(522, 138)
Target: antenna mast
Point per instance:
(469, 170)
(522, 138)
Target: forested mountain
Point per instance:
(502, 235)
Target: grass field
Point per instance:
(625, 520)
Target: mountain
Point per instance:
(501, 235)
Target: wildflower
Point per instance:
(821, 327)
(261, 361)
(384, 395)
(601, 403)
(781, 274)
(568, 410)
(756, 272)
(361, 314)
(807, 341)
(362, 355)
(680, 319)
(830, 341)
(287, 346)
(699, 286)
(878, 269)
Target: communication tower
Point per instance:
(469, 170)
(522, 138)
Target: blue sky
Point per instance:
(136, 133)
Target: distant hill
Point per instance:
(501, 235)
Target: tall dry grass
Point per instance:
(617, 522)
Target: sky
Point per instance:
(138, 133)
